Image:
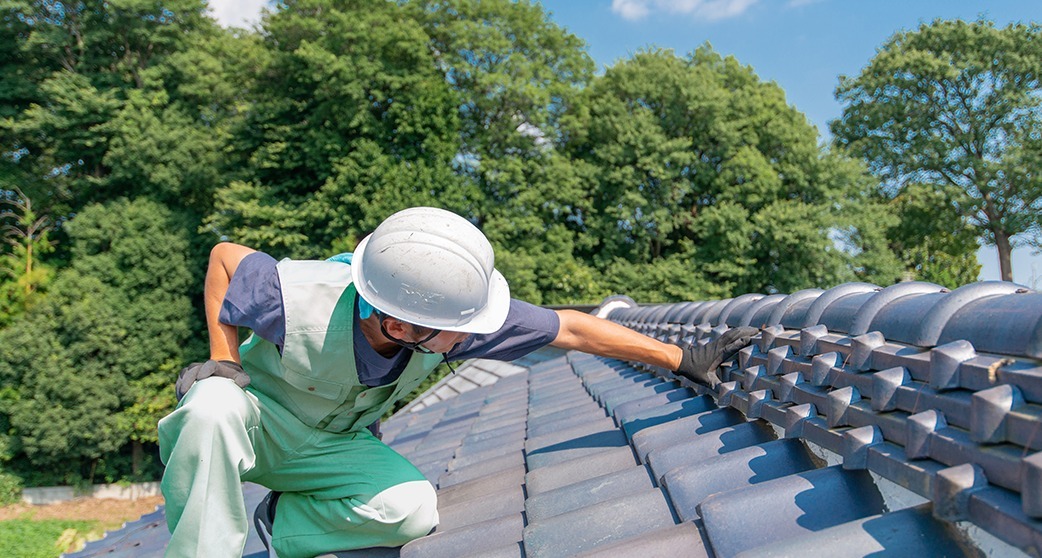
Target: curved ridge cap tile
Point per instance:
(817, 308)
(689, 312)
(785, 303)
(839, 315)
(868, 311)
(735, 304)
(614, 307)
(1005, 325)
(707, 314)
(658, 314)
(642, 314)
(933, 323)
(750, 311)
(676, 311)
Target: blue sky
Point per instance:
(803, 45)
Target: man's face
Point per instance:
(443, 342)
(429, 339)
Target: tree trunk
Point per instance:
(1002, 243)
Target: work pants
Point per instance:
(341, 491)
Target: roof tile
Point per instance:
(585, 493)
(589, 527)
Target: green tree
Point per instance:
(467, 121)
(117, 107)
(699, 163)
(86, 374)
(25, 274)
(934, 240)
(350, 120)
(956, 104)
(62, 395)
(515, 74)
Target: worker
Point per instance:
(334, 345)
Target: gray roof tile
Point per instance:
(566, 418)
(586, 528)
(477, 441)
(588, 492)
(708, 446)
(478, 470)
(472, 540)
(575, 448)
(479, 487)
(637, 415)
(908, 532)
(578, 470)
(649, 399)
(510, 455)
(688, 486)
(537, 463)
(684, 429)
(667, 542)
(602, 424)
(510, 501)
(760, 514)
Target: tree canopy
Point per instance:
(135, 134)
(956, 104)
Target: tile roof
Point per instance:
(901, 421)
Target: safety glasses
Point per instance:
(414, 346)
(411, 345)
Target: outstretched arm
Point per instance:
(224, 260)
(590, 334)
(699, 363)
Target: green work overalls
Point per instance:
(298, 428)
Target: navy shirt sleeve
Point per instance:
(254, 299)
(527, 328)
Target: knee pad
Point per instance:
(412, 505)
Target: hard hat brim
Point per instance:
(488, 320)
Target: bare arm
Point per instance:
(224, 260)
(589, 334)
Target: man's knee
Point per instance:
(412, 505)
(214, 407)
(215, 400)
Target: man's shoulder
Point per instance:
(297, 272)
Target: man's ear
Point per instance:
(396, 327)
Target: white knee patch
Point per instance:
(413, 505)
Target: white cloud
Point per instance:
(237, 13)
(709, 10)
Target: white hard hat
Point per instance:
(432, 268)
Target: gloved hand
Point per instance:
(699, 363)
(202, 370)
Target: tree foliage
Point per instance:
(698, 162)
(23, 273)
(956, 104)
(145, 134)
(81, 373)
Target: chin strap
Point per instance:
(445, 359)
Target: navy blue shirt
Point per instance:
(254, 300)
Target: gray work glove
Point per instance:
(699, 362)
(202, 370)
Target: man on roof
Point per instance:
(334, 345)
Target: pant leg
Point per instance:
(207, 444)
(348, 491)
